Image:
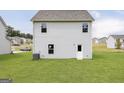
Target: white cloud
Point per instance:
(95, 14)
(120, 11)
(106, 26)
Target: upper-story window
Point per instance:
(85, 27)
(43, 28)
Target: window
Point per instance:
(85, 27)
(51, 49)
(79, 48)
(43, 28)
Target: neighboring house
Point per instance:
(23, 40)
(102, 40)
(5, 45)
(99, 41)
(29, 41)
(62, 34)
(17, 40)
(112, 40)
(95, 40)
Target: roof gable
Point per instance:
(62, 15)
(117, 36)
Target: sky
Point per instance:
(106, 22)
(19, 19)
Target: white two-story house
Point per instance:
(62, 34)
(5, 45)
(112, 41)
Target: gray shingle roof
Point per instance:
(62, 15)
(117, 36)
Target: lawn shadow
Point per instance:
(6, 57)
(98, 56)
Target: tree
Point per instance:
(29, 36)
(118, 43)
(10, 31)
(17, 33)
(22, 35)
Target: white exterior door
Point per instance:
(79, 52)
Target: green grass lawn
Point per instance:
(107, 66)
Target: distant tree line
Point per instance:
(12, 33)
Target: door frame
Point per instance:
(79, 51)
